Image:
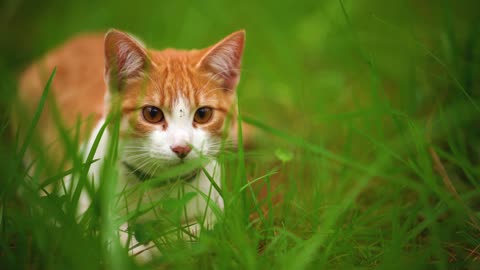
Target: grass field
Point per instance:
(368, 124)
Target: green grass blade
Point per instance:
(36, 116)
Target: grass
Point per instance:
(367, 119)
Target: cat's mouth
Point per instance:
(161, 181)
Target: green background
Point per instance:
(352, 101)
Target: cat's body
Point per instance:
(173, 106)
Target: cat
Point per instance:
(174, 106)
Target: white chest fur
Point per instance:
(200, 211)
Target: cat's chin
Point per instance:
(170, 174)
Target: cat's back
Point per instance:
(78, 86)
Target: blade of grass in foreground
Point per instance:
(59, 176)
(36, 117)
(113, 252)
(86, 168)
(241, 175)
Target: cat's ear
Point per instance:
(125, 59)
(223, 60)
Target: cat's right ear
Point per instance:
(126, 59)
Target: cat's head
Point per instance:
(174, 104)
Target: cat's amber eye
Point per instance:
(152, 114)
(203, 114)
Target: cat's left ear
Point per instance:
(223, 60)
(126, 59)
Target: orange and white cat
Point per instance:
(173, 105)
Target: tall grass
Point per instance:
(367, 126)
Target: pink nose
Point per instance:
(181, 150)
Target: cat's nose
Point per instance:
(181, 150)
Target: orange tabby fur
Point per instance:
(79, 88)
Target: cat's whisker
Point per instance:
(143, 163)
(141, 151)
(136, 150)
(135, 147)
(136, 153)
(141, 167)
(135, 160)
(154, 169)
(222, 146)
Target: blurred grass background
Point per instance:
(369, 110)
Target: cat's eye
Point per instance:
(152, 114)
(202, 115)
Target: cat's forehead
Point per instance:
(173, 58)
(176, 68)
(175, 80)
